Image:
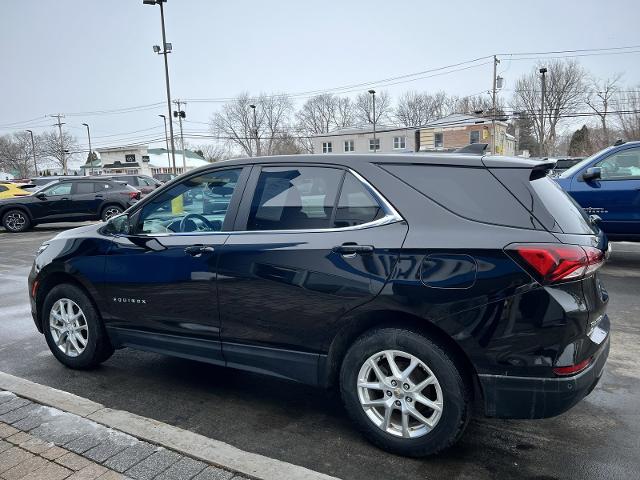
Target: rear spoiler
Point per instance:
(542, 169)
(473, 149)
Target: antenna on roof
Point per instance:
(473, 149)
(619, 142)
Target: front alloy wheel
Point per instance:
(15, 221)
(400, 394)
(68, 326)
(111, 212)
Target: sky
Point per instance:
(85, 57)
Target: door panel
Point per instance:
(616, 196)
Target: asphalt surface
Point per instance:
(599, 438)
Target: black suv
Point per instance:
(143, 183)
(421, 286)
(67, 200)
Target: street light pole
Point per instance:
(255, 129)
(543, 71)
(33, 150)
(375, 144)
(493, 102)
(166, 140)
(90, 150)
(166, 72)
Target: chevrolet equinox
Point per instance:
(423, 287)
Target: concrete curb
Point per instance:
(188, 443)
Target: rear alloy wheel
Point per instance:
(73, 329)
(405, 392)
(16, 221)
(111, 211)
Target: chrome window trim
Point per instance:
(391, 216)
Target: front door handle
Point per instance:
(99, 196)
(64, 198)
(197, 250)
(353, 249)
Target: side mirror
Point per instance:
(118, 225)
(592, 173)
(41, 196)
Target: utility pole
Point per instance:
(33, 150)
(543, 150)
(255, 129)
(180, 114)
(63, 158)
(493, 102)
(90, 150)
(375, 144)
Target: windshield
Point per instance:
(577, 167)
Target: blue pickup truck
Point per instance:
(607, 184)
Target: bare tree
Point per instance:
(629, 113)
(321, 114)
(16, 154)
(211, 152)
(564, 95)
(599, 98)
(415, 109)
(364, 107)
(237, 124)
(59, 149)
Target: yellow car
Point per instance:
(10, 190)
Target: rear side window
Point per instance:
(472, 193)
(102, 186)
(84, 187)
(356, 204)
(294, 198)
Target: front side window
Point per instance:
(59, 189)
(399, 142)
(474, 137)
(621, 165)
(327, 147)
(438, 140)
(349, 146)
(197, 204)
(294, 198)
(356, 204)
(374, 144)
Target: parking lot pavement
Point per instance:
(599, 438)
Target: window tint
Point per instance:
(59, 189)
(356, 205)
(84, 187)
(197, 204)
(294, 198)
(471, 193)
(621, 165)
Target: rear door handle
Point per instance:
(197, 250)
(99, 196)
(64, 198)
(352, 249)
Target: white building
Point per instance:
(142, 160)
(360, 140)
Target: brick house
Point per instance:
(457, 130)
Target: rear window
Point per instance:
(568, 215)
(472, 193)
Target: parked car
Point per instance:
(164, 177)
(607, 184)
(67, 200)
(143, 183)
(36, 183)
(10, 190)
(423, 287)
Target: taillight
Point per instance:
(133, 195)
(572, 369)
(551, 263)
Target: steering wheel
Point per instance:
(183, 222)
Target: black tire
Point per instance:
(16, 220)
(109, 211)
(98, 347)
(454, 392)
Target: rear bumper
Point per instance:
(530, 397)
